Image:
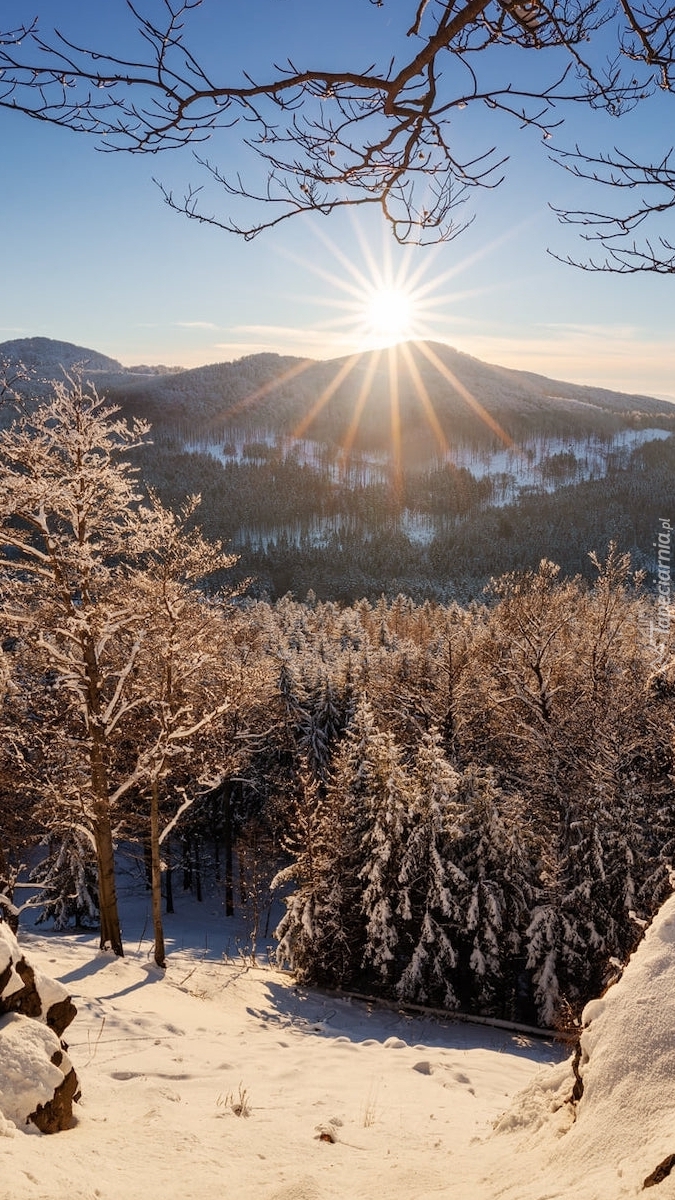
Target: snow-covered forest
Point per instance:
(461, 807)
(465, 810)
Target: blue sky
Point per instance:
(93, 256)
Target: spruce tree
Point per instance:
(432, 882)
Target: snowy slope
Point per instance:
(162, 1062)
(623, 1126)
(406, 1106)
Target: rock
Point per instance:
(57, 1113)
(5, 975)
(37, 1080)
(661, 1172)
(27, 991)
(38, 1084)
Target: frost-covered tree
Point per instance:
(342, 918)
(304, 932)
(432, 882)
(67, 879)
(71, 523)
(180, 681)
(496, 856)
(321, 722)
(99, 586)
(387, 809)
(521, 861)
(321, 935)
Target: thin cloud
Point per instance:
(195, 325)
(283, 339)
(285, 332)
(600, 357)
(585, 330)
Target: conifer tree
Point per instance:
(304, 932)
(387, 804)
(67, 877)
(498, 869)
(432, 882)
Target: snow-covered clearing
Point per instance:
(220, 1078)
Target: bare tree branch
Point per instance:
(655, 187)
(385, 134)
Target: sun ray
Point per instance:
(424, 398)
(272, 384)
(380, 298)
(359, 406)
(376, 273)
(326, 395)
(396, 456)
(464, 392)
(349, 265)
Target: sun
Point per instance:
(389, 314)
(385, 314)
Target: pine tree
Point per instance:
(432, 883)
(304, 933)
(68, 879)
(321, 723)
(498, 868)
(387, 818)
(342, 920)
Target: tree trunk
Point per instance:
(111, 935)
(169, 880)
(198, 871)
(227, 838)
(156, 873)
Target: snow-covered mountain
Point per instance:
(46, 359)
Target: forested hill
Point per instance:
(47, 358)
(320, 399)
(42, 360)
(435, 388)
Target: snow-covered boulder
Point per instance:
(37, 1080)
(24, 989)
(605, 1122)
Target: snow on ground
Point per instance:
(220, 1078)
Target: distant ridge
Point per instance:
(471, 400)
(48, 358)
(277, 393)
